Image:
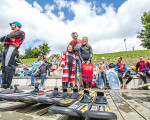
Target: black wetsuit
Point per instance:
(143, 74)
(85, 53)
(8, 58)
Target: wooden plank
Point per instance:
(126, 111)
(140, 86)
(113, 107)
(13, 115)
(68, 117)
(142, 110)
(11, 105)
(144, 103)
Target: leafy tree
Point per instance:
(1, 48)
(44, 49)
(35, 52)
(28, 52)
(22, 56)
(144, 34)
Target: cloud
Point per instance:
(37, 6)
(106, 32)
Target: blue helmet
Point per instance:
(17, 23)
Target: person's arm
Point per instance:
(16, 34)
(148, 64)
(126, 69)
(47, 70)
(80, 56)
(97, 67)
(63, 61)
(47, 73)
(91, 53)
(2, 38)
(107, 67)
(116, 67)
(36, 71)
(137, 66)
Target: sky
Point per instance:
(106, 23)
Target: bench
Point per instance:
(26, 81)
(55, 80)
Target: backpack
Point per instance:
(111, 65)
(21, 73)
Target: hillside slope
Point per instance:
(129, 57)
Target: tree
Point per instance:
(1, 48)
(28, 52)
(44, 49)
(35, 52)
(144, 34)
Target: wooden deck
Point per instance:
(126, 104)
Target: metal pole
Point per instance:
(125, 44)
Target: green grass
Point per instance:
(129, 57)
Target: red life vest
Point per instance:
(143, 66)
(18, 40)
(87, 72)
(119, 66)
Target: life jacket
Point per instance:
(18, 40)
(119, 66)
(87, 72)
(143, 66)
(102, 67)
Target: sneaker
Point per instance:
(75, 87)
(99, 87)
(105, 87)
(31, 85)
(81, 87)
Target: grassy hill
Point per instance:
(129, 57)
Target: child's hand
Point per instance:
(88, 62)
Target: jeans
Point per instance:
(38, 75)
(100, 79)
(77, 62)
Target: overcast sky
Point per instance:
(105, 22)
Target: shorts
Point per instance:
(77, 62)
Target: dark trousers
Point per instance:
(8, 59)
(127, 75)
(143, 76)
(89, 83)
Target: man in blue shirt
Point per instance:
(122, 72)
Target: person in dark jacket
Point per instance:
(144, 69)
(85, 52)
(12, 43)
(41, 71)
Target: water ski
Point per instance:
(54, 96)
(69, 100)
(78, 108)
(100, 108)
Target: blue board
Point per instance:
(113, 80)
